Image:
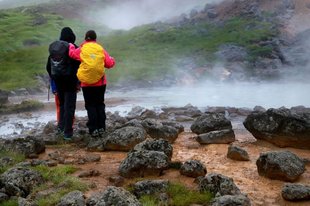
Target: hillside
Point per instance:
(231, 41)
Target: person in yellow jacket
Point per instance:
(91, 73)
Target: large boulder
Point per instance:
(237, 153)
(218, 184)
(296, 192)
(231, 200)
(124, 139)
(158, 130)
(224, 136)
(159, 145)
(27, 146)
(19, 181)
(281, 127)
(75, 198)
(113, 196)
(210, 122)
(193, 168)
(282, 165)
(150, 187)
(144, 162)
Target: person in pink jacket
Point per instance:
(94, 93)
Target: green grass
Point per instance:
(144, 53)
(20, 61)
(59, 178)
(149, 52)
(179, 196)
(16, 158)
(26, 105)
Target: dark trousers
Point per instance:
(67, 104)
(94, 104)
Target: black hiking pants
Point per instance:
(67, 104)
(94, 104)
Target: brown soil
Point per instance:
(261, 190)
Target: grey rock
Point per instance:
(218, 184)
(113, 196)
(224, 136)
(159, 145)
(74, 198)
(144, 162)
(124, 139)
(281, 165)
(281, 127)
(150, 187)
(20, 181)
(296, 192)
(158, 130)
(27, 146)
(232, 200)
(210, 122)
(237, 153)
(193, 168)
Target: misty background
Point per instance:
(290, 90)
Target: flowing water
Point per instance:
(245, 95)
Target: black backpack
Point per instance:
(59, 58)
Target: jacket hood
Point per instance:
(67, 35)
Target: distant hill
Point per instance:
(230, 41)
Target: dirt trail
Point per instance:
(261, 191)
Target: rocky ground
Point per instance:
(103, 170)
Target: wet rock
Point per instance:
(24, 202)
(113, 196)
(231, 200)
(117, 181)
(143, 162)
(4, 97)
(210, 122)
(75, 198)
(174, 124)
(3, 197)
(296, 192)
(150, 187)
(20, 181)
(135, 112)
(92, 158)
(187, 111)
(89, 173)
(159, 145)
(124, 139)
(193, 168)
(27, 146)
(224, 136)
(282, 165)
(158, 130)
(281, 127)
(148, 114)
(237, 153)
(218, 184)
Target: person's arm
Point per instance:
(74, 52)
(109, 61)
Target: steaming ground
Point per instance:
(241, 95)
(129, 14)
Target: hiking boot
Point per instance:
(95, 134)
(68, 137)
(59, 132)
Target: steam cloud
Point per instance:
(129, 14)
